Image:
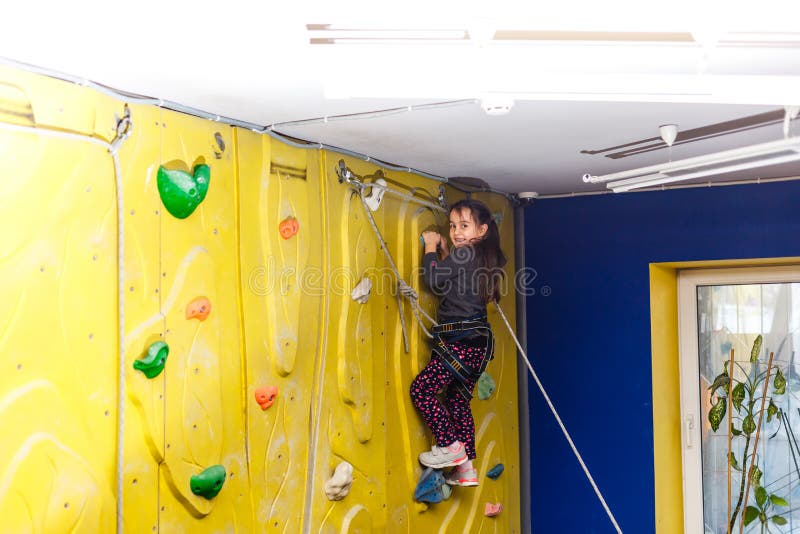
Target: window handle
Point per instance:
(689, 422)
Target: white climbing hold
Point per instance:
(338, 486)
(361, 292)
(376, 195)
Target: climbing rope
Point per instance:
(402, 286)
(124, 127)
(558, 419)
(407, 291)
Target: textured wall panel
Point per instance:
(144, 399)
(281, 315)
(204, 420)
(57, 324)
(282, 295)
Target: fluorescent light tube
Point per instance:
(750, 157)
(662, 179)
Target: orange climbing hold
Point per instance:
(288, 227)
(266, 396)
(199, 308)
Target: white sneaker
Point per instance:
(439, 457)
(462, 477)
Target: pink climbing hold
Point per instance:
(266, 396)
(492, 510)
(199, 308)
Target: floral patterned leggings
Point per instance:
(450, 420)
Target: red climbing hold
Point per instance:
(288, 227)
(266, 396)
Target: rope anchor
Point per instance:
(123, 130)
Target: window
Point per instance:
(724, 310)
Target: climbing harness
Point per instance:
(447, 333)
(438, 332)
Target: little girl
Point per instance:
(466, 279)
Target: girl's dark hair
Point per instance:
(487, 251)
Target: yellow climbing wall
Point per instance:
(281, 315)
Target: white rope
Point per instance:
(405, 196)
(558, 419)
(408, 292)
(402, 286)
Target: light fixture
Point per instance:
(751, 157)
(496, 104)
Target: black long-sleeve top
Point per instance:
(455, 279)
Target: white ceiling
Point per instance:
(580, 78)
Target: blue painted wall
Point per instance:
(589, 339)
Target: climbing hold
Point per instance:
(153, 362)
(429, 487)
(288, 227)
(376, 194)
(447, 490)
(208, 483)
(498, 217)
(182, 192)
(495, 471)
(491, 510)
(486, 386)
(199, 308)
(266, 396)
(421, 507)
(338, 486)
(361, 292)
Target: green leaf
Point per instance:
(756, 348)
(748, 425)
(779, 383)
(772, 411)
(755, 476)
(778, 501)
(750, 513)
(721, 380)
(734, 463)
(738, 396)
(761, 496)
(735, 431)
(778, 520)
(717, 413)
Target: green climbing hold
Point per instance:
(208, 483)
(485, 386)
(182, 192)
(153, 362)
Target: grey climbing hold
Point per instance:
(338, 486)
(376, 195)
(486, 386)
(495, 471)
(361, 292)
